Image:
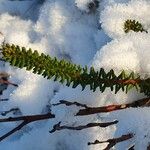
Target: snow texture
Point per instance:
(68, 29)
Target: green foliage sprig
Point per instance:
(134, 26)
(72, 74)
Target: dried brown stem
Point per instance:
(145, 102)
(67, 103)
(2, 81)
(104, 109)
(87, 111)
(25, 120)
(103, 125)
(13, 131)
(114, 141)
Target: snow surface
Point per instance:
(68, 29)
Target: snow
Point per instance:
(137, 125)
(69, 29)
(83, 5)
(63, 25)
(26, 9)
(120, 12)
(134, 46)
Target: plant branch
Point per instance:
(25, 120)
(133, 25)
(2, 81)
(67, 103)
(114, 141)
(57, 127)
(94, 110)
(72, 74)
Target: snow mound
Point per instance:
(114, 16)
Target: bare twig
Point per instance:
(13, 130)
(4, 113)
(103, 125)
(67, 103)
(145, 102)
(114, 141)
(4, 99)
(131, 148)
(26, 120)
(104, 109)
(2, 81)
(87, 111)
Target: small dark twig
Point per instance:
(103, 125)
(13, 130)
(114, 141)
(2, 81)
(26, 120)
(67, 103)
(4, 99)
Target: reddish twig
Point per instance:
(2, 81)
(26, 120)
(110, 108)
(114, 141)
(104, 109)
(103, 125)
(129, 81)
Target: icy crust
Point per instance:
(114, 16)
